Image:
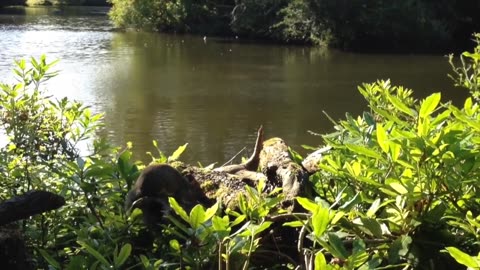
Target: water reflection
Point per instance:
(212, 94)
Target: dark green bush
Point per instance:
(359, 24)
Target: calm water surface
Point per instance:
(211, 93)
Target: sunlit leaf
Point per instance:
(358, 259)
(382, 138)
(308, 204)
(399, 188)
(220, 224)
(178, 209)
(296, 223)
(197, 216)
(374, 208)
(175, 245)
(397, 103)
(211, 211)
(177, 153)
(320, 262)
(320, 221)
(463, 258)
(429, 104)
(363, 151)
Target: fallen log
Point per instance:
(14, 254)
(310, 163)
(31, 203)
(270, 162)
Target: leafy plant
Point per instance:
(397, 188)
(209, 237)
(400, 180)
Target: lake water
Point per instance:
(212, 93)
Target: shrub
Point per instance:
(399, 182)
(399, 188)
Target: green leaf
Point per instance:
(351, 203)
(474, 56)
(211, 212)
(441, 117)
(423, 127)
(463, 258)
(373, 226)
(382, 138)
(395, 151)
(49, 259)
(123, 163)
(358, 259)
(320, 262)
(254, 229)
(399, 247)
(177, 153)
(220, 224)
(262, 227)
(296, 223)
(94, 253)
(363, 150)
(390, 116)
(429, 105)
(468, 106)
(374, 208)
(297, 158)
(336, 243)
(308, 204)
(145, 261)
(320, 221)
(197, 216)
(178, 209)
(123, 255)
(397, 103)
(175, 245)
(76, 262)
(399, 188)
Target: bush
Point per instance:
(357, 25)
(399, 188)
(165, 15)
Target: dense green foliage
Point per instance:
(362, 25)
(53, 2)
(398, 189)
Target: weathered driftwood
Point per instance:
(310, 163)
(224, 183)
(277, 164)
(31, 203)
(252, 163)
(270, 161)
